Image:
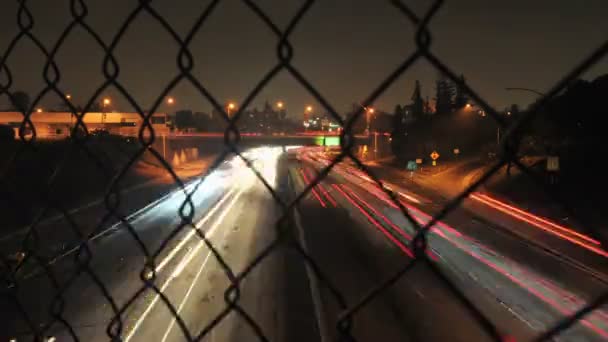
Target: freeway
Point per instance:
(356, 237)
(360, 238)
(235, 212)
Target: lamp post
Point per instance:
(369, 113)
(307, 112)
(106, 102)
(68, 97)
(170, 102)
(230, 107)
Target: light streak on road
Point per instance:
(563, 232)
(536, 218)
(191, 233)
(208, 234)
(375, 223)
(377, 213)
(322, 190)
(396, 228)
(527, 280)
(243, 179)
(557, 298)
(314, 192)
(184, 300)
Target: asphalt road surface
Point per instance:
(360, 238)
(353, 233)
(236, 213)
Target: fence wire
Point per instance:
(185, 61)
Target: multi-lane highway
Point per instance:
(361, 238)
(236, 213)
(357, 239)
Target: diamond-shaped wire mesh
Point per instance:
(32, 246)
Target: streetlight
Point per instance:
(106, 102)
(307, 112)
(170, 101)
(231, 106)
(39, 110)
(280, 104)
(68, 97)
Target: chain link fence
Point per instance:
(285, 53)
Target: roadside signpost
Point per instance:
(434, 156)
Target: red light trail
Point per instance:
(560, 231)
(375, 223)
(314, 192)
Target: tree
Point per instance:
(427, 106)
(444, 95)
(398, 132)
(460, 98)
(417, 102)
(21, 101)
(184, 119)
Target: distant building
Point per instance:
(59, 124)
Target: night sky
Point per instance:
(345, 47)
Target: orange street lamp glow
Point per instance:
(106, 101)
(309, 109)
(68, 96)
(280, 104)
(39, 110)
(231, 105)
(371, 110)
(468, 105)
(170, 100)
